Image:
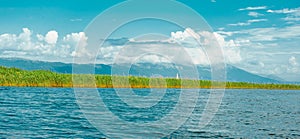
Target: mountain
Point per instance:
(141, 69)
(274, 77)
(232, 73)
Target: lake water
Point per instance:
(54, 113)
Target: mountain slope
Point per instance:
(142, 69)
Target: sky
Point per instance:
(259, 36)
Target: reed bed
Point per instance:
(43, 78)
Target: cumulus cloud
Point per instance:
(51, 47)
(294, 66)
(51, 37)
(41, 47)
(267, 51)
(78, 40)
(202, 37)
(191, 43)
(16, 42)
(199, 56)
(292, 61)
(188, 33)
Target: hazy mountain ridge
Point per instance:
(142, 69)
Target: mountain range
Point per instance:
(141, 69)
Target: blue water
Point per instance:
(54, 113)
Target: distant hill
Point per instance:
(142, 69)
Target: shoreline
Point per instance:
(124, 87)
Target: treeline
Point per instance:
(42, 78)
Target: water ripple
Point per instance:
(53, 113)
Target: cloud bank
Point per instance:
(259, 50)
(52, 47)
(46, 47)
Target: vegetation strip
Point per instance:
(42, 78)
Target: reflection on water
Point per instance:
(53, 113)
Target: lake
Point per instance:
(54, 113)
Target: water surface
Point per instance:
(54, 113)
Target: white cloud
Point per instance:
(25, 35)
(153, 59)
(294, 16)
(191, 36)
(74, 37)
(283, 11)
(294, 66)
(269, 62)
(41, 47)
(267, 51)
(240, 24)
(76, 20)
(235, 45)
(249, 22)
(221, 40)
(189, 39)
(271, 34)
(188, 33)
(293, 61)
(78, 40)
(255, 14)
(291, 14)
(239, 48)
(230, 49)
(254, 8)
(225, 33)
(291, 19)
(257, 20)
(51, 37)
(17, 42)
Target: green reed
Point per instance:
(43, 78)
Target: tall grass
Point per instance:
(42, 78)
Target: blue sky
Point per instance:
(73, 16)
(262, 37)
